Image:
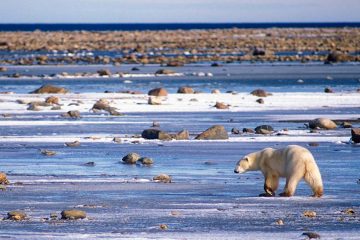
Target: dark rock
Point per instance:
(328, 90)
(73, 214)
(335, 56)
(215, 64)
(185, 90)
(3, 179)
(50, 89)
(155, 124)
(158, 92)
(131, 158)
(72, 114)
(313, 144)
(89, 164)
(264, 129)
(311, 235)
(162, 178)
(152, 100)
(155, 134)
(175, 64)
(235, 131)
(3, 69)
(258, 52)
(322, 123)
(260, 101)
(213, 133)
(355, 135)
(73, 144)
(135, 69)
(146, 161)
(104, 72)
(220, 105)
(164, 72)
(248, 130)
(117, 140)
(16, 216)
(260, 93)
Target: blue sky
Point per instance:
(130, 11)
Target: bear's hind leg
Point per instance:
(270, 186)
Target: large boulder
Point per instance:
(213, 133)
(155, 134)
(50, 89)
(131, 158)
(355, 135)
(73, 214)
(322, 123)
(264, 129)
(158, 92)
(185, 90)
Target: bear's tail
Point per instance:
(313, 178)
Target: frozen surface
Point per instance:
(206, 200)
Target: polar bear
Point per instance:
(292, 162)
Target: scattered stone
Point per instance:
(117, 140)
(16, 215)
(154, 100)
(3, 69)
(103, 104)
(349, 211)
(182, 135)
(175, 64)
(48, 152)
(50, 89)
(260, 93)
(73, 214)
(279, 222)
(162, 178)
(355, 135)
(3, 179)
(346, 125)
(248, 130)
(309, 214)
(335, 56)
(264, 129)
(56, 108)
(328, 90)
(73, 144)
(146, 161)
(33, 107)
(158, 92)
(52, 100)
(155, 134)
(220, 105)
(235, 131)
(104, 72)
(71, 114)
(89, 164)
(155, 124)
(131, 158)
(260, 101)
(185, 90)
(311, 235)
(213, 133)
(215, 91)
(313, 144)
(322, 123)
(163, 227)
(164, 72)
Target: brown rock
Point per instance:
(52, 100)
(146, 161)
(260, 93)
(164, 72)
(3, 178)
(72, 114)
(355, 135)
(48, 152)
(3, 69)
(264, 129)
(158, 92)
(220, 105)
(182, 135)
(50, 89)
(73, 144)
(346, 125)
(323, 123)
(162, 178)
(16, 215)
(104, 72)
(260, 101)
(185, 90)
(131, 158)
(215, 91)
(213, 133)
(311, 235)
(248, 130)
(73, 214)
(309, 214)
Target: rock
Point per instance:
(215, 91)
(355, 135)
(349, 211)
(155, 134)
(131, 158)
(264, 129)
(73, 144)
(162, 178)
(311, 235)
(213, 133)
(175, 64)
(89, 164)
(215, 64)
(260, 93)
(135, 69)
(154, 100)
(72, 114)
(3, 179)
(163, 227)
(258, 52)
(16, 215)
(322, 123)
(335, 56)
(182, 135)
(260, 101)
(248, 130)
(309, 214)
(185, 90)
(104, 72)
(346, 125)
(146, 161)
(3, 69)
(158, 92)
(73, 214)
(33, 107)
(50, 89)
(235, 131)
(164, 72)
(53, 216)
(155, 124)
(56, 108)
(103, 104)
(279, 222)
(52, 100)
(48, 152)
(328, 90)
(220, 105)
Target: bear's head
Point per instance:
(243, 165)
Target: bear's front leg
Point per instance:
(270, 186)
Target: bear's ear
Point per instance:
(246, 159)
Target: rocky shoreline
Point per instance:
(178, 47)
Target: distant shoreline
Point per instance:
(165, 26)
